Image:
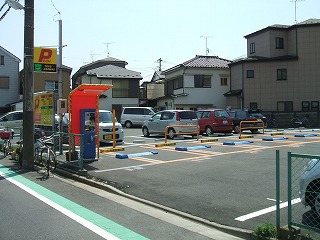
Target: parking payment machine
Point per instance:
(87, 128)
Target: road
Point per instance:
(35, 207)
(233, 185)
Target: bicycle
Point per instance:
(305, 121)
(44, 155)
(272, 123)
(5, 136)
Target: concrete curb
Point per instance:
(242, 233)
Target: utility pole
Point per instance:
(159, 61)
(207, 49)
(28, 90)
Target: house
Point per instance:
(125, 90)
(49, 81)
(281, 71)
(9, 80)
(198, 83)
(151, 91)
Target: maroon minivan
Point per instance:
(214, 121)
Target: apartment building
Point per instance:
(281, 71)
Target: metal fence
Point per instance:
(303, 193)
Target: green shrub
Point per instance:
(266, 230)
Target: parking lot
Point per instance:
(223, 179)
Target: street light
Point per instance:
(14, 4)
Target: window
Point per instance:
(279, 43)
(178, 83)
(286, 106)
(252, 47)
(224, 81)
(1, 60)
(282, 74)
(314, 105)
(51, 85)
(202, 81)
(4, 82)
(305, 106)
(250, 73)
(121, 88)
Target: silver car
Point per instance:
(158, 123)
(310, 185)
(106, 128)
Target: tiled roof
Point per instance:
(202, 62)
(207, 62)
(111, 71)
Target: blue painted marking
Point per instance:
(306, 135)
(272, 139)
(191, 148)
(236, 143)
(122, 155)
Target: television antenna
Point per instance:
(92, 55)
(107, 44)
(295, 9)
(206, 37)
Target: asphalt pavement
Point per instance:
(169, 223)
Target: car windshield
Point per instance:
(105, 117)
(222, 114)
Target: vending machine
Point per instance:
(88, 129)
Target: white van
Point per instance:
(135, 116)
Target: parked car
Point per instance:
(309, 191)
(158, 122)
(214, 121)
(12, 120)
(106, 128)
(239, 115)
(135, 116)
(257, 113)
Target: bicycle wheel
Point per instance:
(308, 123)
(274, 123)
(48, 159)
(5, 148)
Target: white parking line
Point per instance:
(265, 211)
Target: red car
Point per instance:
(214, 121)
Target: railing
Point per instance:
(251, 125)
(175, 127)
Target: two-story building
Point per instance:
(125, 82)
(281, 72)
(9, 80)
(198, 83)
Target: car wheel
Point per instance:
(237, 129)
(314, 200)
(128, 124)
(171, 133)
(209, 131)
(145, 132)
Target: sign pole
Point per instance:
(60, 86)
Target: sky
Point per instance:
(142, 31)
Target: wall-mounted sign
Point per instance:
(45, 59)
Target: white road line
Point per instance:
(265, 211)
(101, 232)
(125, 168)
